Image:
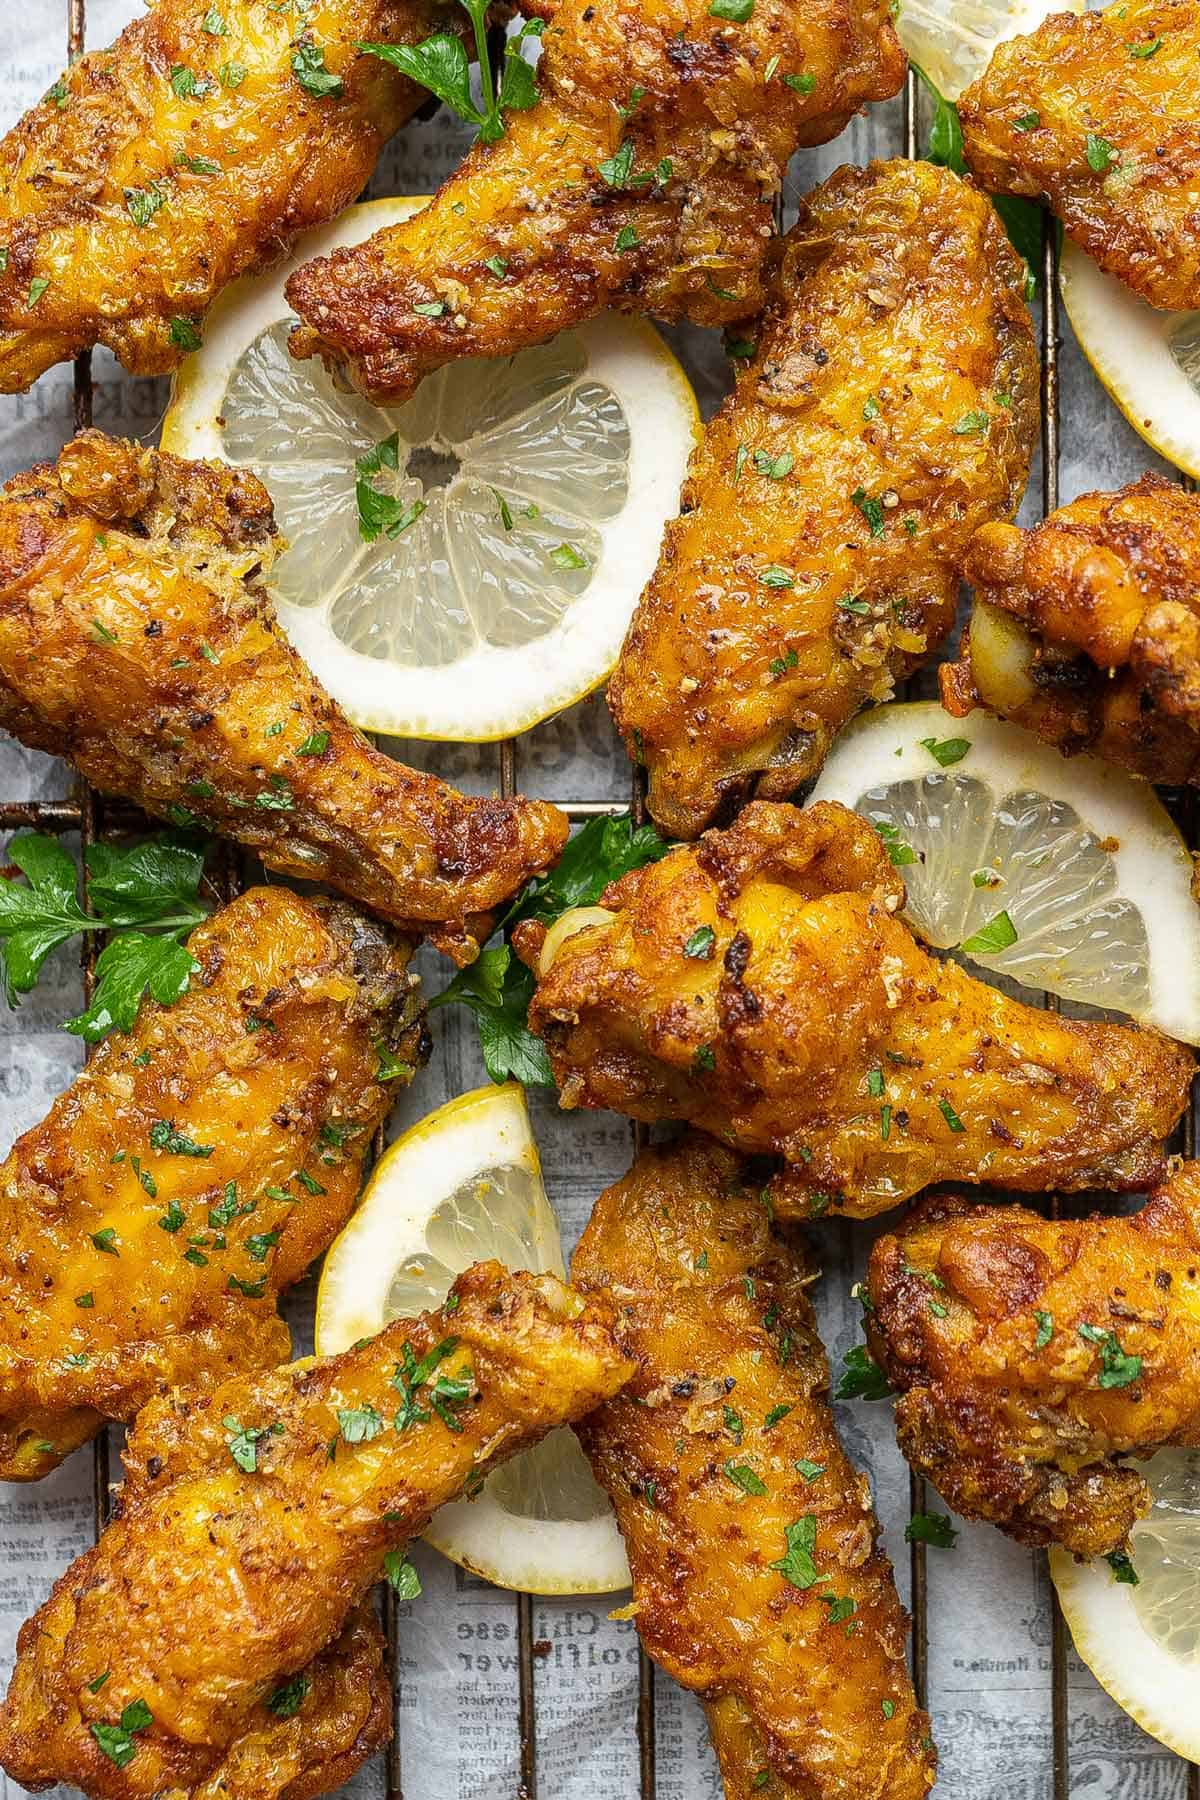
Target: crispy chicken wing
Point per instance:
(253, 1521)
(1032, 1356)
(191, 151)
(642, 179)
(136, 639)
(1099, 116)
(723, 1463)
(891, 408)
(761, 985)
(195, 1168)
(1086, 629)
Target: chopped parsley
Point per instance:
(797, 1565)
(117, 1741)
(400, 1575)
(308, 66)
(946, 751)
(743, 1477)
(287, 1699)
(931, 1528)
(1045, 1329)
(871, 510)
(700, 945)
(164, 1137)
(244, 1442)
(1116, 1369)
(998, 934)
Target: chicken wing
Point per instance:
(136, 639)
(195, 1168)
(193, 150)
(253, 1521)
(891, 407)
(757, 1576)
(760, 984)
(642, 179)
(1086, 629)
(1099, 117)
(1032, 1356)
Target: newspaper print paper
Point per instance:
(989, 1601)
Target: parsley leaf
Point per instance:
(861, 1377)
(289, 1697)
(947, 751)
(997, 934)
(117, 1741)
(308, 66)
(931, 1528)
(1116, 1369)
(401, 1576)
(1122, 1568)
(797, 1565)
(244, 1442)
(743, 1477)
(441, 64)
(1045, 1328)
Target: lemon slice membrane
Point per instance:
(1066, 875)
(1142, 1642)
(523, 503)
(462, 1186)
(1147, 361)
(953, 40)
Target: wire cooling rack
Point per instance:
(86, 816)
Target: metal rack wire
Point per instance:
(84, 815)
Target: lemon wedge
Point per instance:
(1148, 361)
(953, 40)
(517, 504)
(462, 1186)
(1066, 875)
(1142, 1640)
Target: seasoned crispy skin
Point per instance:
(890, 409)
(1032, 1355)
(713, 1308)
(153, 172)
(1096, 645)
(196, 1167)
(760, 984)
(642, 179)
(1099, 117)
(136, 638)
(215, 1586)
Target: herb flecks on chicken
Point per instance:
(223, 1598)
(137, 639)
(195, 1168)
(889, 410)
(1089, 631)
(758, 1580)
(191, 151)
(761, 985)
(642, 180)
(1032, 1356)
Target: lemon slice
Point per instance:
(524, 501)
(1148, 361)
(462, 1186)
(1142, 1643)
(953, 40)
(1066, 875)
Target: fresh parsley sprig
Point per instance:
(153, 886)
(441, 64)
(497, 988)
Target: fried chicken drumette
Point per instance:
(1098, 115)
(1032, 1356)
(136, 639)
(252, 1522)
(758, 1580)
(195, 1168)
(761, 985)
(642, 179)
(191, 151)
(890, 409)
(1086, 629)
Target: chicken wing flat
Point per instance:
(760, 985)
(253, 1521)
(1099, 117)
(196, 1167)
(891, 407)
(1086, 629)
(758, 1580)
(642, 179)
(137, 640)
(1032, 1356)
(191, 151)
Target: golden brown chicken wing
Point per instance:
(642, 179)
(891, 408)
(757, 1576)
(761, 985)
(1086, 629)
(1099, 117)
(195, 1168)
(136, 639)
(253, 1521)
(193, 150)
(1033, 1356)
